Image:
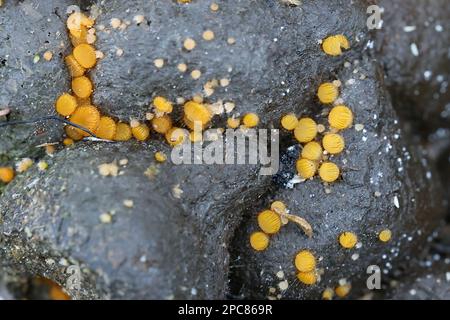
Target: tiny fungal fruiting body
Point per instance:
(278, 207)
(329, 172)
(162, 124)
(75, 69)
(160, 156)
(68, 142)
(250, 120)
(269, 222)
(340, 117)
(308, 278)
(6, 174)
(123, 132)
(306, 130)
(306, 168)
(289, 122)
(106, 128)
(348, 240)
(162, 104)
(82, 87)
(333, 143)
(176, 136)
(327, 294)
(312, 151)
(66, 104)
(259, 241)
(305, 261)
(385, 235)
(85, 55)
(87, 117)
(333, 45)
(327, 93)
(233, 123)
(141, 132)
(196, 113)
(343, 290)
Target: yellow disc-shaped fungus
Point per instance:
(176, 136)
(259, 241)
(73, 133)
(6, 174)
(66, 104)
(312, 151)
(348, 240)
(77, 20)
(82, 87)
(269, 221)
(329, 172)
(162, 104)
(233, 123)
(278, 207)
(308, 278)
(289, 122)
(343, 291)
(86, 116)
(106, 128)
(160, 156)
(385, 235)
(162, 124)
(85, 55)
(305, 261)
(327, 93)
(340, 117)
(123, 132)
(75, 69)
(306, 168)
(195, 112)
(68, 142)
(327, 294)
(333, 143)
(141, 132)
(250, 120)
(306, 130)
(333, 45)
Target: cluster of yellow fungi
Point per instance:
(305, 263)
(270, 222)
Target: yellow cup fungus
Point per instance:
(327, 93)
(123, 132)
(329, 172)
(233, 123)
(348, 240)
(269, 221)
(73, 133)
(308, 278)
(141, 132)
(77, 20)
(162, 124)
(259, 241)
(82, 87)
(250, 120)
(196, 112)
(85, 55)
(176, 136)
(106, 128)
(385, 235)
(86, 116)
(75, 69)
(333, 143)
(6, 174)
(343, 291)
(68, 142)
(162, 104)
(278, 207)
(305, 261)
(340, 117)
(289, 122)
(327, 294)
(66, 104)
(306, 130)
(78, 37)
(312, 151)
(306, 168)
(160, 156)
(333, 45)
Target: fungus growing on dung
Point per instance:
(289, 121)
(123, 132)
(82, 87)
(85, 55)
(308, 278)
(327, 93)
(329, 172)
(312, 151)
(333, 143)
(305, 261)
(162, 104)
(66, 104)
(250, 120)
(269, 221)
(140, 131)
(162, 124)
(306, 168)
(333, 45)
(385, 235)
(106, 128)
(6, 174)
(348, 240)
(306, 130)
(259, 241)
(340, 117)
(75, 69)
(86, 116)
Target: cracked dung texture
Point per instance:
(274, 63)
(163, 247)
(382, 163)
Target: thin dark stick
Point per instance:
(14, 123)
